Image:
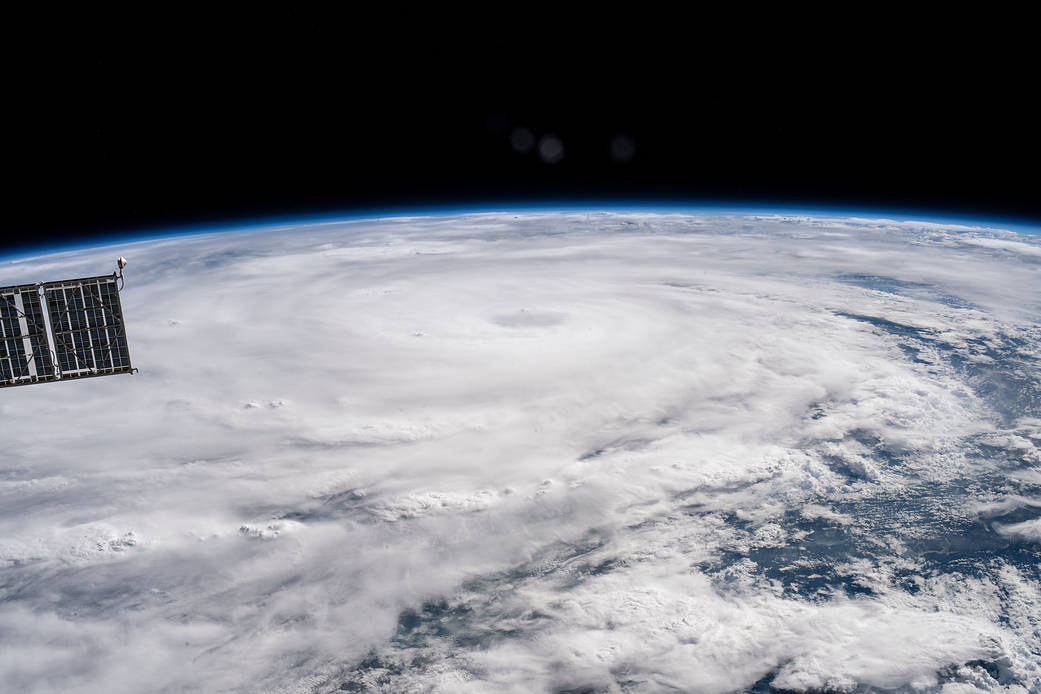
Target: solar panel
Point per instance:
(25, 355)
(55, 331)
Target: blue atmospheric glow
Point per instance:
(1015, 224)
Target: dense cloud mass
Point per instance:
(539, 453)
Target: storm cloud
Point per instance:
(549, 452)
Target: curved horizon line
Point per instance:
(247, 222)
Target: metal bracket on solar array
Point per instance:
(121, 262)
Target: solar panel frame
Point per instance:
(63, 330)
(87, 325)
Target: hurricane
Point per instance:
(538, 451)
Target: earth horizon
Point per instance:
(538, 451)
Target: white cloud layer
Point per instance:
(541, 452)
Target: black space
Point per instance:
(106, 140)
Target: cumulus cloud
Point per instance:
(1029, 530)
(537, 452)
